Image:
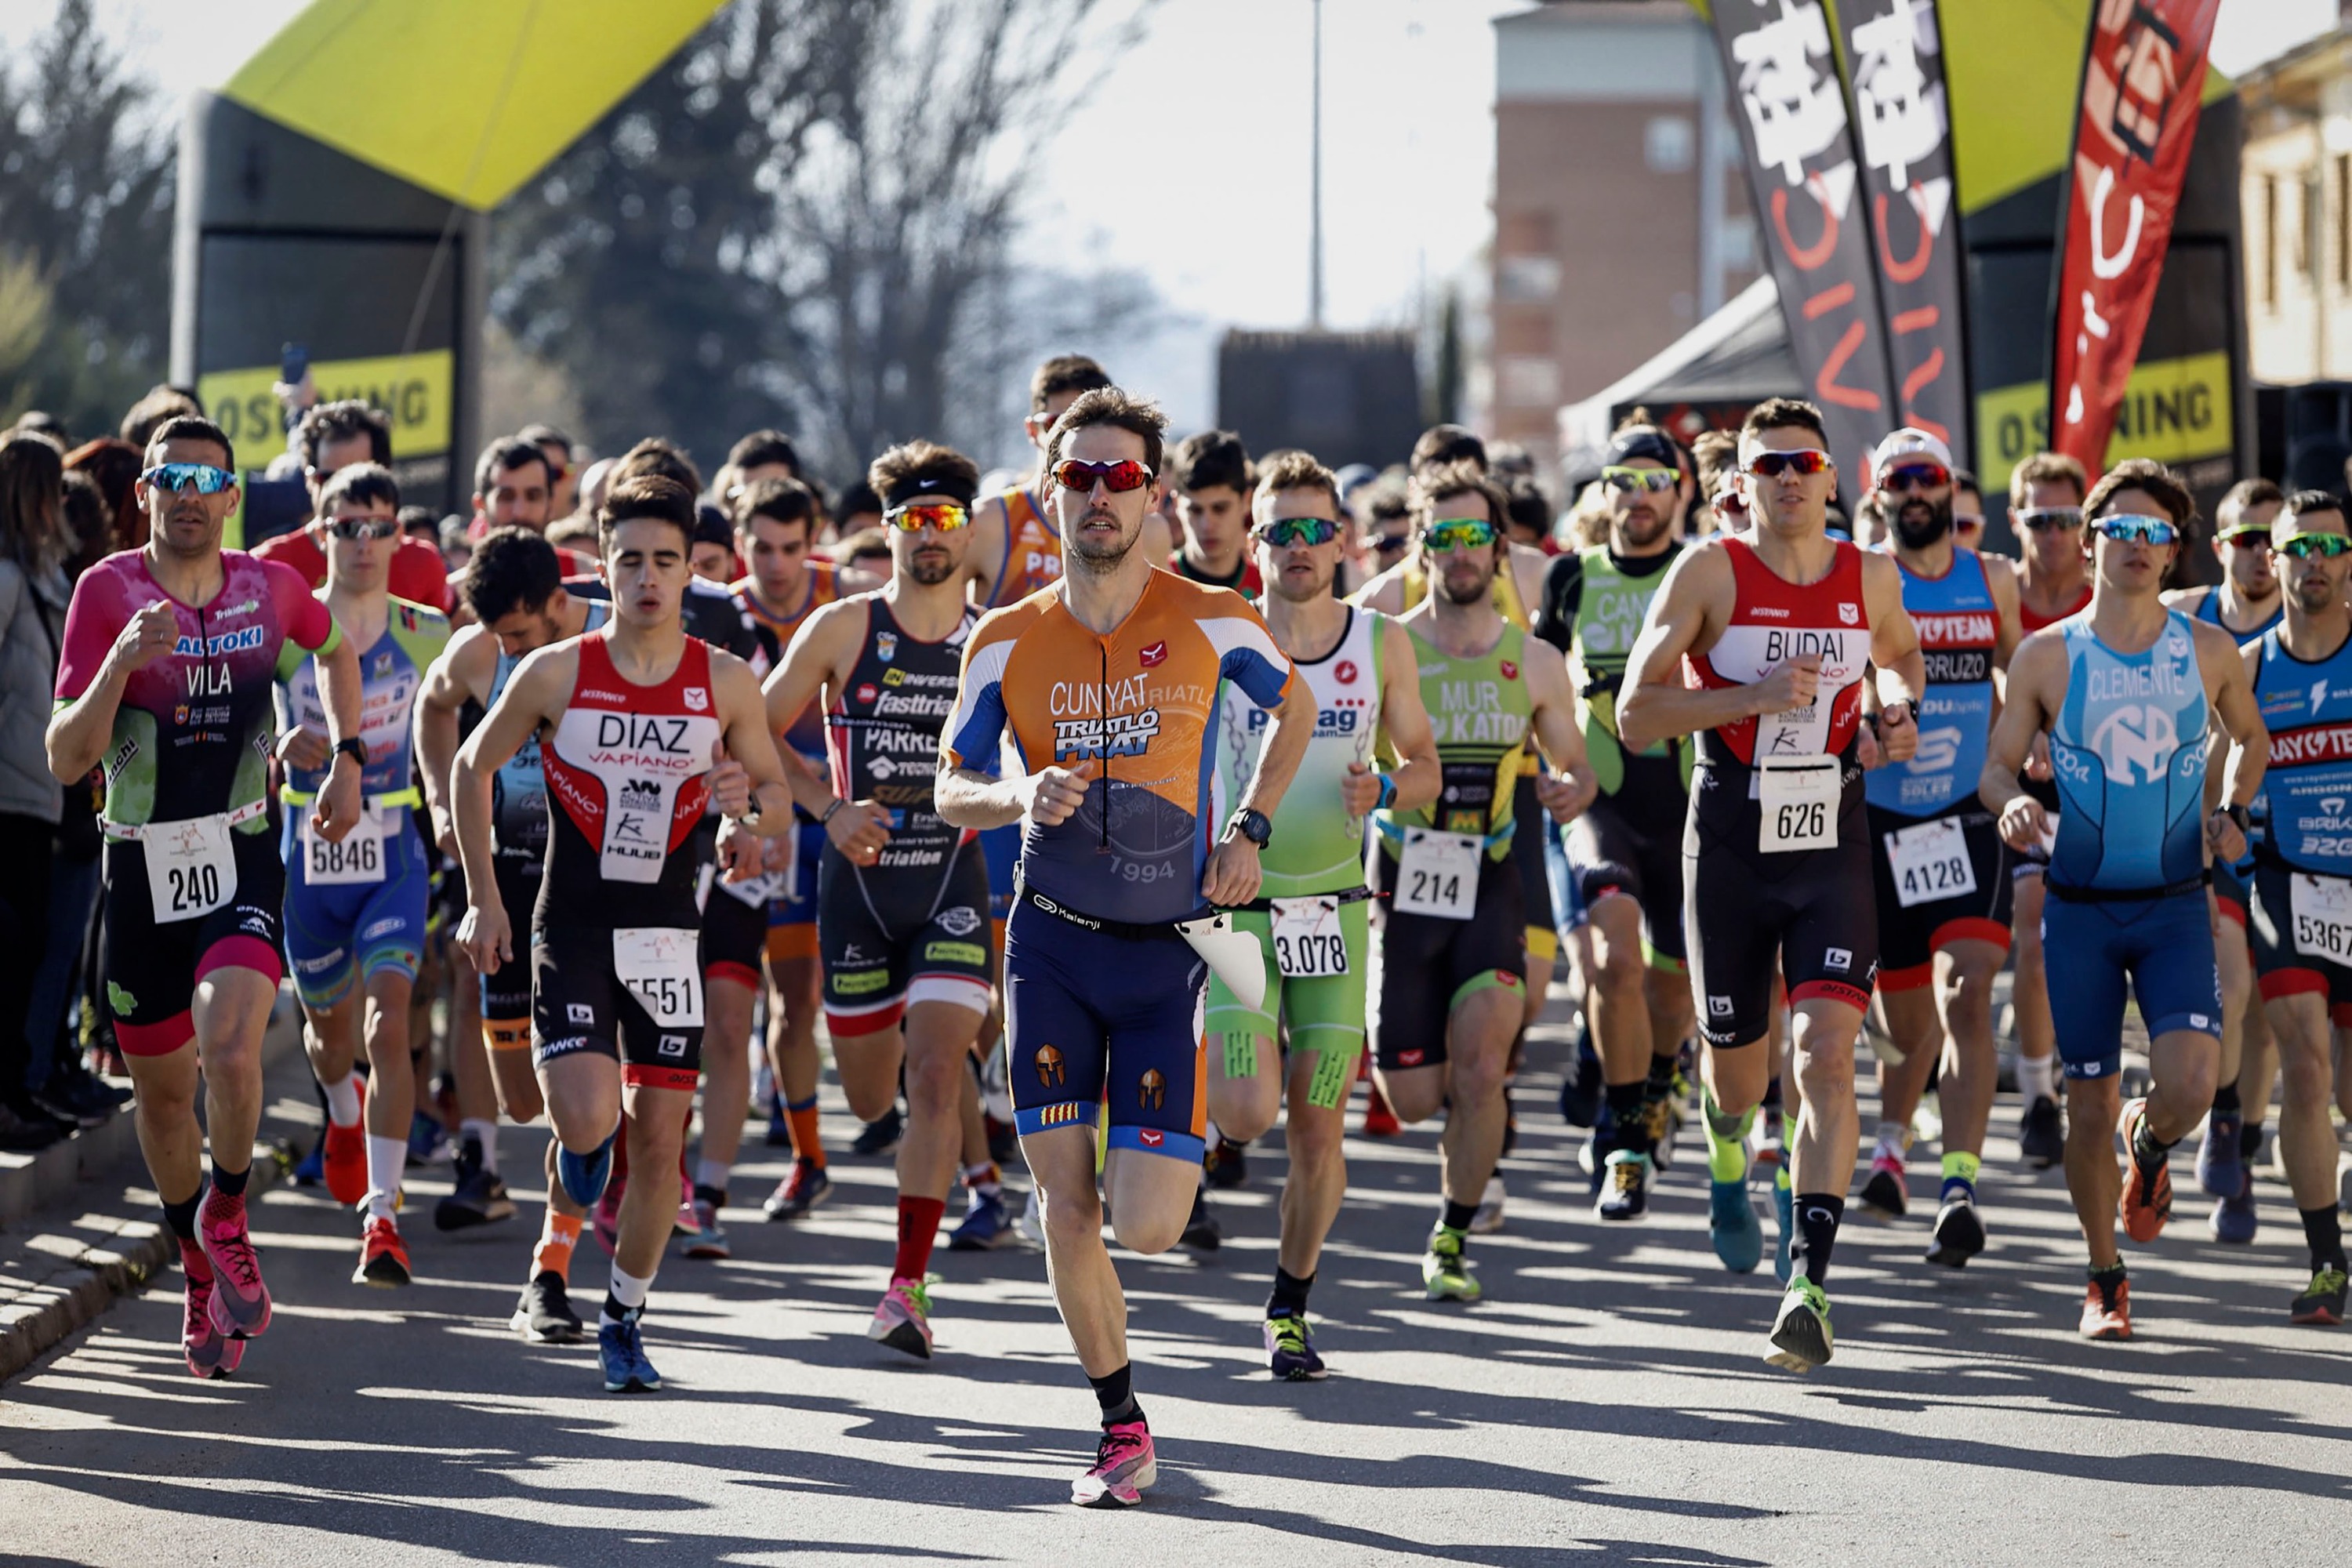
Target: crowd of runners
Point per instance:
(1134, 796)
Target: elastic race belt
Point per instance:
(126, 832)
(1356, 895)
(1130, 931)
(2067, 895)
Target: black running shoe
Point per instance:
(479, 1197)
(1884, 1195)
(880, 1135)
(545, 1312)
(1201, 1232)
(1959, 1233)
(1227, 1165)
(2042, 1134)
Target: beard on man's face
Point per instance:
(1920, 522)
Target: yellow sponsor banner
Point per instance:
(415, 390)
(2175, 410)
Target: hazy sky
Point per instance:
(1217, 100)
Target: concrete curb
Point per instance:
(62, 1270)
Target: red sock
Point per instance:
(919, 1227)
(802, 1119)
(192, 1261)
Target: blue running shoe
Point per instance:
(311, 1169)
(621, 1352)
(583, 1176)
(1732, 1225)
(2233, 1216)
(428, 1142)
(1784, 1209)
(2219, 1167)
(986, 1225)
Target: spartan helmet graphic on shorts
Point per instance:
(1153, 1090)
(1049, 1067)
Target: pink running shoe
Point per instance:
(1124, 1465)
(606, 1223)
(210, 1354)
(687, 1223)
(903, 1320)
(240, 1302)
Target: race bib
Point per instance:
(360, 857)
(1308, 944)
(1799, 804)
(1438, 874)
(2322, 907)
(662, 968)
(191, 869)
(1931, 863)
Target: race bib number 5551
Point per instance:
(661, 966)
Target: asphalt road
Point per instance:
(1605, 1404)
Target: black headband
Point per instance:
(928, 482)
(1644, 442)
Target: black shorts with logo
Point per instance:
(151, 970)
(891, 938)
(1423, 966)
(1909, 938)
(506, 995)
(578, 1003)
(2280, 966)
(1808, 915)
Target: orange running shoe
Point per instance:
(2106, 1308)
(384, 1257)
(2146, 1200)
(346, 1156)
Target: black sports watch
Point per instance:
(354, 748)
(2236, 814)
(1253, 825)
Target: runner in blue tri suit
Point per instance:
(2127, 692)
(2302, 910)
(2246, 602)
(1944, 887)
(354, 918)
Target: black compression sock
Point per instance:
(1289, 1297)
(1773, 1093)
(230, 1184)
(1818, 1215)
(1459, 1216)
(2225, 1101)
(1115, 1392)
(181, 1216)
(2323, 1232)
(2147, 1152)
(2250, 1138)
(1625, 1102)
(1662, 1074)
(715, 1196)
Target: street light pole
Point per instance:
(1315, 191)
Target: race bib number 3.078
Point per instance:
(1307, 941)
(2322, 909)
(1930, 862)
(1799, 804)
(661, 966)
(1438, 874)
(191, 868)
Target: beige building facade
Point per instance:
(2295, 192)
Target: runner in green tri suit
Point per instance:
(1311, 916)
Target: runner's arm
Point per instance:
(83, 722)
(991, 545)
(462, 673)
(2010, 629)
(750, 751)
(1418, 775)
(1894, 640)
(2229, 685)
(1290, 726)
(1552, 696)
(2035, 681)
(1385, 592)
(336, 809)
(1652, 703)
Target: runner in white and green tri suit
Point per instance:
(1311, 915)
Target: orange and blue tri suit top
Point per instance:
(1134, 713)
(1032, 551)
(821, 588)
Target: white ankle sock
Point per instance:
(386, 1158)
(712, 1174)
(629, 1289)
(2037, 1078)
(344, 1100)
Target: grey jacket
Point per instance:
(32, 629)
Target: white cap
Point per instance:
(1908, 442)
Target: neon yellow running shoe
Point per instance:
(1445, 1271)
(1800, 1335)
